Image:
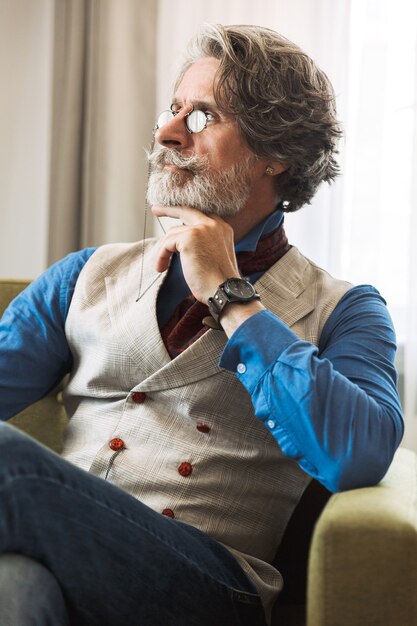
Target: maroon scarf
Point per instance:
(186, 324)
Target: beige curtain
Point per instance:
(25, 61)
(102, 115)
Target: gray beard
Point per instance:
(221, 193)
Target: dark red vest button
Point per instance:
(203, 428)
(116, 444)
(168, 513)
(138, 397)
(185, 469)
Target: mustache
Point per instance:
(167, 156)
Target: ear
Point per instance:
(275, 168)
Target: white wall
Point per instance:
(25, 100)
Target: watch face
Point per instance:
(239, 287)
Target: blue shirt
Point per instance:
(333, 408)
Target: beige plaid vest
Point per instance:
(241, 489)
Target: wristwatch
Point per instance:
(232, 290)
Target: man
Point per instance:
(201, 406)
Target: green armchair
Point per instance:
(348, 559)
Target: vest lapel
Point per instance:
(284, 288)
(197, 362)
(134, 323)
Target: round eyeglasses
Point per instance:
(195, 121)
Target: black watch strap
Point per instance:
(217, 303)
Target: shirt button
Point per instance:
(185, 469)
(241, 368)
(202, 427)
(270, 424)
(116, 444)
(138, 397)
(168, 513)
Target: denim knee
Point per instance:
(29, 593)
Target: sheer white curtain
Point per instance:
(380, 192)
(362, 228)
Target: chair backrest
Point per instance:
(46, 419)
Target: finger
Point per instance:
(187, 215)
(163, 258)
(165, 249)
(162, 262)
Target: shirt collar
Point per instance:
(250, 240)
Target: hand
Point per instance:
(206, 247)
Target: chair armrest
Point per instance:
(363, 556)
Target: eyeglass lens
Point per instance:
(195, 121)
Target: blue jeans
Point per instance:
(29, 594)
(115, 560)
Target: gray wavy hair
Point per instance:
(283, 103)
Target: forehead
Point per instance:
(198, 81)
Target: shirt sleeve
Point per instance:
(335, 409)
(34, 354)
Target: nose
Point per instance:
(174, 133)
